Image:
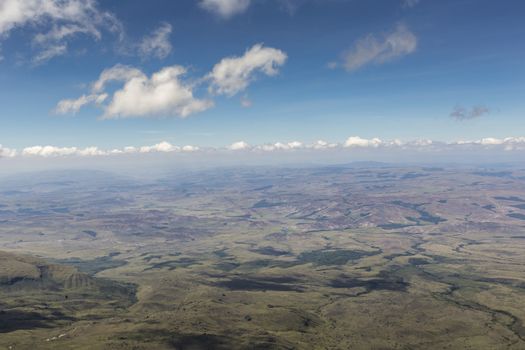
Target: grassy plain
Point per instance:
(314, 258)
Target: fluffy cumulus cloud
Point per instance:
(159, 147)
(225, 8)
(163, 94)
(57, 22)
(280, 146)
(157, 44)
(357, 144)
(118, 73)
(508, 143)
(378, 50)
(52, 151)
(233, 74)
(352, 144)
(462, 113)
(166, 92)
(356, 141)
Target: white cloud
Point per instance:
(352, 144)
(49, 53)
(420, 142)
(164, 94)
(49, 151)
(7, 152)
(321, 144)
(356, 141)
(159, 147)
(239, 146)
(157, 44)
(53, 151)
(371, 50)
(225, 8)
(279, 146)
(514, 143)
(233, 74)
(74, 105)
(162, 147)
(190, 148)
(58, 21)
(508, 143)
(91, 152)
(396, 142)
(117, 73)
(490, 141)
(295, 144)
(130, 149)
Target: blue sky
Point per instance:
(441, 70)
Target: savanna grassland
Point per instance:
(350, 257)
